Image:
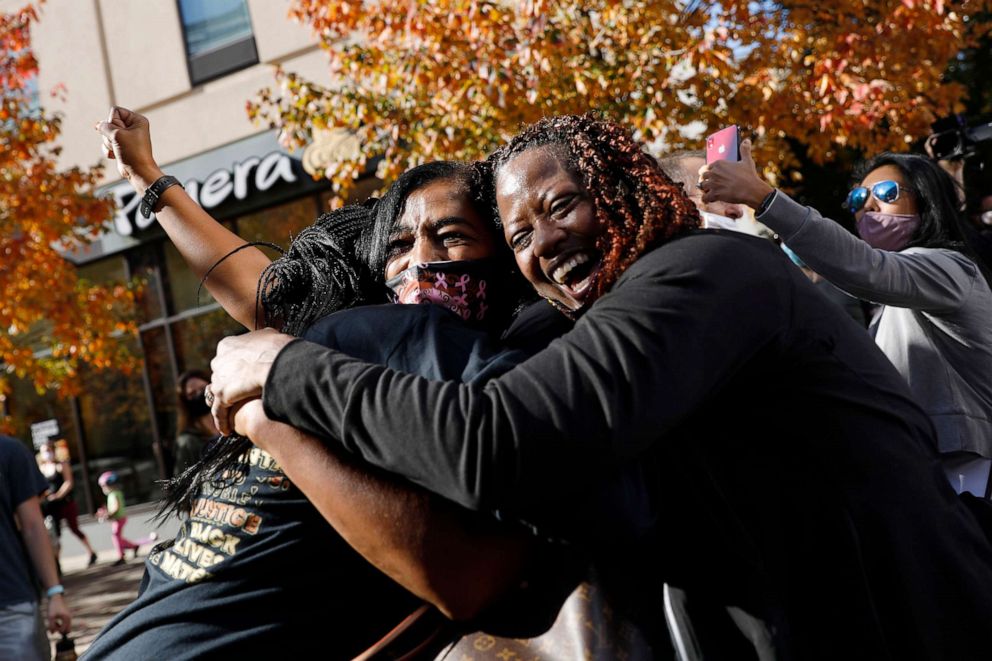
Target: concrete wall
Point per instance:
(131, 53)
(276, 36)
(145, 50)
(69, 50)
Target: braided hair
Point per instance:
(317, 275)
(635, 201)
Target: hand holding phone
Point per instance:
(724, 180)
(723, 145)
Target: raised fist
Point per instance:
(127, 139)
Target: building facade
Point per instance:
(189, 66)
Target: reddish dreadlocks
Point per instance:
(637, 203)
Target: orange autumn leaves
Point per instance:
(418, 81)
(51, 321)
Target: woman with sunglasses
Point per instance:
(913, 258)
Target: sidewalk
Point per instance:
(95, 594)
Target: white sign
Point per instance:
(42, 431)
(252, 174)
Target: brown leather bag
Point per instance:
(590, 625)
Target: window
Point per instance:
(279, 224)
(196, 338)
(117, 430)
(143, 264)
(218, 37)
(182, 283)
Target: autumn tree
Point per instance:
(52, 322)
(418, 81)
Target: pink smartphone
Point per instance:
(722, 145)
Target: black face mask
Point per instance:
(197, 405)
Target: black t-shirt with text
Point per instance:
(255, 570)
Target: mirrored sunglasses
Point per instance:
(884, 191)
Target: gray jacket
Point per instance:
(935, 324)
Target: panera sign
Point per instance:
(243, 178)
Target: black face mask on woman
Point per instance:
(197, 404)
(464, 286)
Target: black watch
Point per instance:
(150, 199)
(765, 203)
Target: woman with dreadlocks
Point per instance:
(827, 527)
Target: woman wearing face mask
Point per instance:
(844, 541)
(194, 425)
(935, 323)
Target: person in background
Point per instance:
(913, 258)
(194, 426)
(26, 559)
(683, 167)
(981, 229)
(116, 512)
(59, 502)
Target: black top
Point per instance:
(20, 480)
(255, 571)
(55, 482)
(56, 479)
(789, 470)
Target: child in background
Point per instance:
(115, 511)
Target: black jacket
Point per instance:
(788, 469)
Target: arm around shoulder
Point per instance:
(600, 395)
(460, 562)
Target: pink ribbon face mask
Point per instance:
(887, 231)
(459, 286)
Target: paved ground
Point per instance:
(95, 594)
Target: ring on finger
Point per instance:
(208, 395)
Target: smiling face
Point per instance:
(550, 223)
(906, 204)
(439, 223)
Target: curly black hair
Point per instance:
(635, 201)
(318, 274)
